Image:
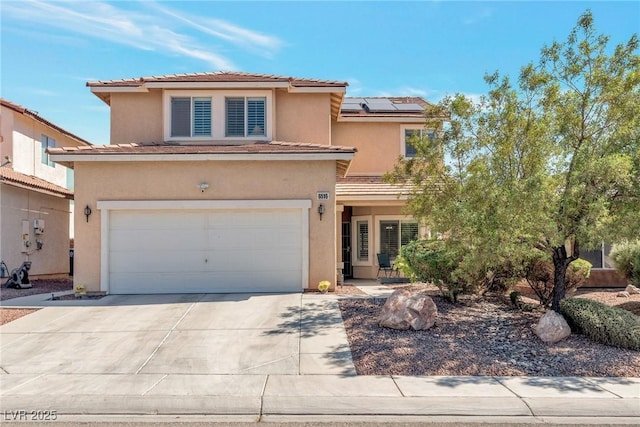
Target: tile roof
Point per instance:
(218, 76)
(355, 186)
(34, 115)
(17, 179)
(273, 147)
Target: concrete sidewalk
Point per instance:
(281, 397)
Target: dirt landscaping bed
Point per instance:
(40, 286)
(479, 336)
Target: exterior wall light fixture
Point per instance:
(87, 212)
(320, 210)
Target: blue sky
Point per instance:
(50, 49)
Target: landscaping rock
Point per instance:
(623, 294)
(631, 290)
(404, 310)
(552, 327)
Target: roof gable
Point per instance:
(35, 116)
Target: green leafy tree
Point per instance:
(551, 164)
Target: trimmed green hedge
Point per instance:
(603, 324)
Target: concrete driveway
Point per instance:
(238, 334)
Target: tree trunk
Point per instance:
(561, 261)
(560, 265)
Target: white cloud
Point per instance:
(263, 44)
(158, 32)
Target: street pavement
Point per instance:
(249, 358)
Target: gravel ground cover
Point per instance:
(40, 286)
(479, 336)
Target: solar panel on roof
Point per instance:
(349, 100)
(409, 107)
(351, 107)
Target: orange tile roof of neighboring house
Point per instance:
(218, 76)
(34, 115)
(356, 186)
(273, 147)
(17, 179)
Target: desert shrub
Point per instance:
(632, 306)
(626, 257)
(433, 261)
(539, 277)
(601, 323)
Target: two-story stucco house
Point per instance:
(231, 182)
(35, 192)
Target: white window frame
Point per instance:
(422, 230)
(45, 143)
(354, 241)
(218, 112)
(403, 141)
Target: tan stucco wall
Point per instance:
(227, 180)
(136, 117)
(16, 205)
(378, 145)
(303, 117)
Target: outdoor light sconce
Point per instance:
(321, 210)
(87, 212)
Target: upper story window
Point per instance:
(216, 115)
(245, 116)
(190, 116)
(46, 142)
(410, 137)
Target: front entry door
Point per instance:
(346, 250)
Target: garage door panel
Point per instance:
(205, 251)
(200, 282)
(156, 240)
(160, 262)
(157, 220)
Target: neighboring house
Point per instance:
(603, 273)
(35, 192)
(230, 182)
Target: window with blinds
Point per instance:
(394, 234)
(245, 116)
(362, 228)
(256, 116)
(201, 117)
(190, 116)
(234, 111)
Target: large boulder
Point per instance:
(632, 290)
(552, 327)
(404, 310)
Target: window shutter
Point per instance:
(256, 116)
(235, 117)
(389, 238)
(201, 117)
(363, 240)
(181, 116)
(408, 232)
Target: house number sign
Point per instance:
(323, 195)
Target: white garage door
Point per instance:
(176, 251)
